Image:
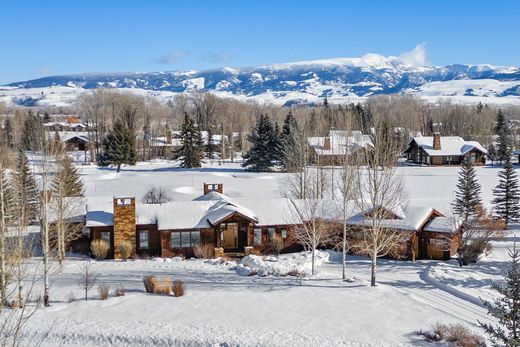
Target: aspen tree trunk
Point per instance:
(3, 230)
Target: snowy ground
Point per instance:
(223, 307)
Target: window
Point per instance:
(271, 231)
(257, 236)
(184, 239)
(143, 239)
(283, 233)
(105, 236)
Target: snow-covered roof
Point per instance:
(442, 225)
(341, 142)
(450, 145)
(412, 219)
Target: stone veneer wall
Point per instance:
(124, 224)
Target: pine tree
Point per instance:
(25, 190)
(67, 179)
(46, 117)
(288, 141)
(191, 152)
(264, 152)
(210, 145)
(6, 209)
(118, 147)
(504, 142)
(492, 153)
(507, 194)
(506, 309)
(467, 195)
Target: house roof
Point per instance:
(341, 142)
(450, 145)
(412, 218)
(442, 225)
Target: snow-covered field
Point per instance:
(224, 307)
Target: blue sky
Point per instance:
(39, 38)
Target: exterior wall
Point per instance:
(95, 234)
(437, 246)
(124, 224)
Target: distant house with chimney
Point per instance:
(338, 145)
(444, 150)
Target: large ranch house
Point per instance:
(237, 227)
(444, 150)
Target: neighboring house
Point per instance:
(339, 144)
(167, 145)
(75, 142)
(66, 126)
(444, 150)
(239, 226)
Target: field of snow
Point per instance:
(225, 307)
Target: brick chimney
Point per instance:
(437, 141)
(169, 137)
(326, 143)
(124, 223)
(210, 187)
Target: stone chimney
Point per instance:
(326, 143)
(169, 136)
(213, 187)
(124, 224)
(437, 141)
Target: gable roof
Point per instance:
(450, 145)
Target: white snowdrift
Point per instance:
(297, 264)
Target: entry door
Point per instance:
(230, 235)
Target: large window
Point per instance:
(184, 239)
(271, 232)
(105, 236)
(283, 233)
(143, 239)
(257, 236)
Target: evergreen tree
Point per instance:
(467, 195)
(507, 194)
(67, 180)
(277, 146)
(504, 142)
(25, 190)
(46, 117)
(192, 150)
(33, 132)
(288, 141)
(492, 153)
(506, 308)
(264, 152)
(210, 145)
(118, 147)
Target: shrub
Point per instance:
(161, 286)
(276, 245)
(178, 288)
(125, 249)
(119, 291)
(457, 334)
(104, 291)
(204, 251)
(148, 282)
(71, 297)
(156, 286)
(99, 249)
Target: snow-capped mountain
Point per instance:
(340, 80)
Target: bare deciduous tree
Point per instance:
(87, 277)
(157, 195)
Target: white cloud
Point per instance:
(415, 57)
(172, 57)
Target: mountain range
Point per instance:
(340, 80)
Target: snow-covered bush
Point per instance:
(99, 249)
